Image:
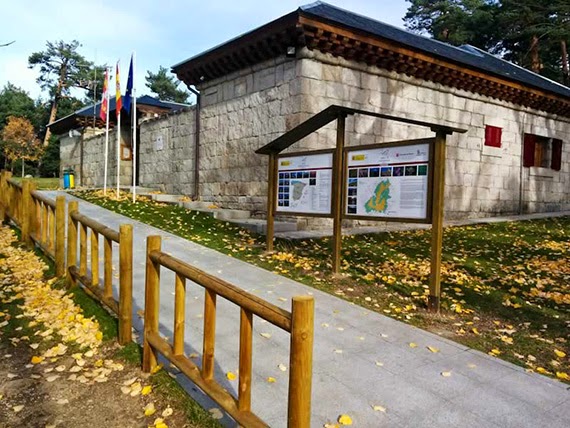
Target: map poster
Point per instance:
(389, 181)
(305, 183)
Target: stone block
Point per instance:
(331, 73)
(263, 79)
(350, 77)
(310, 68)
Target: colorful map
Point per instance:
(298, 187)
(379, 201)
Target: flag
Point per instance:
(104, 102)
(118, 101)
(129, 92)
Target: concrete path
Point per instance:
(362, 359)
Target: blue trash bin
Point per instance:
(66, 181)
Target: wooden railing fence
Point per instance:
(42, 222)
(88, 228)
(298, 322)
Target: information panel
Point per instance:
(389, 181)
(305, 183)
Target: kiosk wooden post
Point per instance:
(338, 185)
(437, 221)
(271, 191)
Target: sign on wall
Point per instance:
(304, 183)
(389, 181)
(159, 143)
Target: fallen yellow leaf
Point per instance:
(146, 390)
(156, 369)
(230, 375)
(149, 409)
(562, 375)
(271, 379)
(344, 420)
(432, 349)
(559, 354)
(413, 345)
(446, 374)
(37, 360)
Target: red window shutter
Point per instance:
(528, 151)
(556, 155)
(493, 136)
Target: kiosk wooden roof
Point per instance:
(332, 113)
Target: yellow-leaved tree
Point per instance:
(19, 141)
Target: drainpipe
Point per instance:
(196, 144)
(521, 172)
(81, 157)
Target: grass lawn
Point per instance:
(43, 183)
(506, 286)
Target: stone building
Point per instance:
(513, 158)
(82, 140)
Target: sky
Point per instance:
(162, 33)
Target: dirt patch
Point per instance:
(64, 402)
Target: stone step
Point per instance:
(167, 199)
(260, 226)
(218, 213)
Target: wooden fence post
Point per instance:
(125, 283)
(31, 215)
(72, 207)
(301, 362)
(25, 213)
(3, 196)
(152, 283)
(59, 236)
(8, 196)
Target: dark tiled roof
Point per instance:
(144, 100)
(69, 122)
(464, 55)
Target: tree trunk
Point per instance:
(535, 64)
(56, 97)
(565, 70)
(23, 164)
(52, 117)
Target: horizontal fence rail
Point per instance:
(298, 322)
(86, 227)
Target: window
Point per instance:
(542, 152)
(493, 136)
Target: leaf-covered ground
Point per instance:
(60, 365)
(506, 286)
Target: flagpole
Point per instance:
(118, 151)
(106, 136)
(134, 124)
(118, 107)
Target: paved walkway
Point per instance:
(362, 359)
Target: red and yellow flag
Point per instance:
(104, 102)
(118, 100)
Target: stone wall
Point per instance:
(94, 159)
(242, 112)
(167, 153)
(480, 180)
